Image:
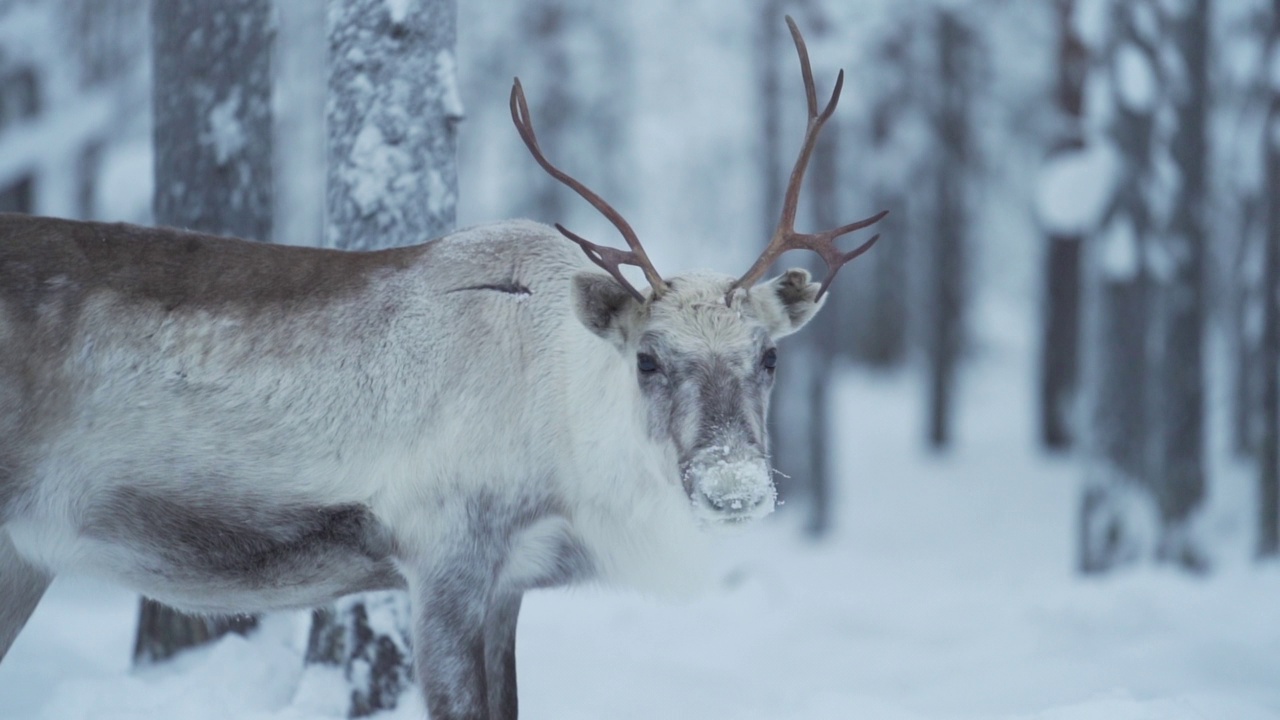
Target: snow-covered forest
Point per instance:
(1030, 449)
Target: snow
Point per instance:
(1075, 187)
(226, 133)
(1274, 67)
(948, 591)
(398, 10)
(1120, 255)
(1135, 79)
(733, 484)
(1090, 19)
(446, 69)
(1146, 22)
(1164, 182)
(373, 161)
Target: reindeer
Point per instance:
(234, 427)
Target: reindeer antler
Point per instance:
(606, 257)
(785, 236)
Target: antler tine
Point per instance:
(785, 236)
(608, 258)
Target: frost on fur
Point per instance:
(730, 489)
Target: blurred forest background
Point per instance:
(1094, 184)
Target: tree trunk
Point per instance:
(1118, 514)
(882, 343)
(1179, 438)
(882, 279)
(392, 115)
(947, 262)
(825, 337)
(576, 43)
(1269, 442)
(212, 99)
(772, 167)
(392, 119)
(1246, 301)
(1060, 343)
(1119, 520)
(788, 418)
(213, 116)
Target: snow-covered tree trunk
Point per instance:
(1269, 444)
(1060, 342)
(946, 274)
(392, 115)
(1119, 515)
(212, 97)
(212, 103)
(1179, 434)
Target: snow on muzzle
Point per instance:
(729, 487)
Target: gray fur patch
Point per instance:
(311, 554)
(501, 618)
(466, 625)
(449, 645)
(721, 395)
(600, 303)
(495, 520)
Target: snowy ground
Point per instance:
(947, 593)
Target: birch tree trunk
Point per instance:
(392, 114)
(212, 100)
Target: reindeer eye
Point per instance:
(646, 363)
(770, 359)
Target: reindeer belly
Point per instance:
(231, 555)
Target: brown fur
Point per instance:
(45, 257)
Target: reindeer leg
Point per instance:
(500, 654)
(21, 587)
(449, 613)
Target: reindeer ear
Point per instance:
(787, 302)
(603, 305)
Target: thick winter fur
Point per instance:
(229, 426)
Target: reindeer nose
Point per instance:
(735, 503)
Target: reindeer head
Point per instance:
(703, 345)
